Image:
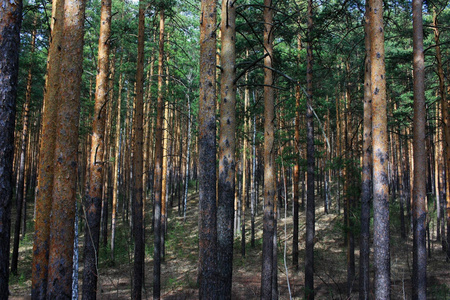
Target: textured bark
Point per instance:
(227, 142)
(158, 167)
(138, 140)
(97, 163)
(310, 205)
(380, 153)
(269, 156)
(364, 281)
(10, 23)
(66, 154)
(420, 159)
(20, 186)
(45, 172)
(207, 154)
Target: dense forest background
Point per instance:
(170, 88)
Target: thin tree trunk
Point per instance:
(158, 168)
(138, 162)
(310, 209)
(20, 187)
(188, 157)
(253, 183)
(269, 156)
(419, 192)
(116, 172)
(97, 163)
(380, 153)
(227, 142)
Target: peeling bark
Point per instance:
(380, 153)
(207, 154)
(66, 154)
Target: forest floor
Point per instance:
(179, 270)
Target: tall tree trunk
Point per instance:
(10, 23)
(46, 158)
(20, 187)
(227, 142)
(380, 153)
(207, 154)
(138, 162)
(116, 172)
(420, 159)
(295, 251)
(97, 163)
(445, 125)
(188, 156)
(269, 156)
(310, 209)
(253, 187)
(165, 169)
(158, 167)
(244, 173)
(66, 154)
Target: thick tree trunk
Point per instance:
(97, 163)
(227, 142)
(310, 209)
(66, 154)
(10, 23)
(420, 159)
(207, 154)
(46, 158)
(269, 156)
(138, 140)
(380, 153)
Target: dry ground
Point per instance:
(179, 270)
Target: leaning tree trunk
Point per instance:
(97, 165)
(420, 159)
(10, 22)
(66, 154)
(380, 153)
(227, 142)
(269, 156)
(207, 154)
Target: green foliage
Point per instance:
(439, 292)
